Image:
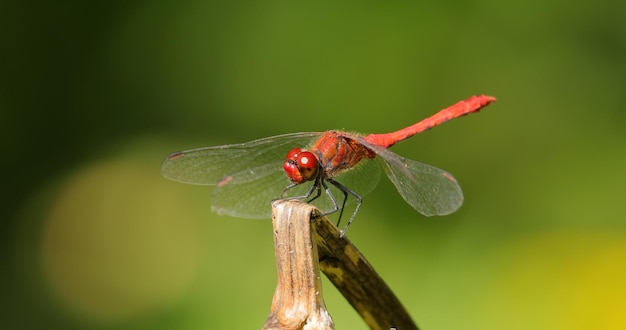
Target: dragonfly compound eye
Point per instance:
(291, 166)
(300, 166)
(293, 154)
(308, 165)
(292, 171)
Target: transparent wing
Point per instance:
(429, 190)
(362, 178)
(249, 193)
(208, 166)
(247, 175)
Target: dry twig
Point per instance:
(305, 243)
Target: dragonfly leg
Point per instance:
(345, 191)
(282, 195)
(332, 199)
(315, 186)
(320, 183)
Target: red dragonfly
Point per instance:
(250, 175)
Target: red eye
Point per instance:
(300, 166)
(307, 163)
(306, 160)
(292, 171)
(292, 154)
(291, 166)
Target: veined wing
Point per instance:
(212, 165)
(247, 175)
(248, 193)
(429, 190)
(239, 197)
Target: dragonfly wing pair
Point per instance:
(248, 176)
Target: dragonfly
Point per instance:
(248, 176)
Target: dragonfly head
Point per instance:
(301, 166)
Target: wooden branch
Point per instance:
(357, 280)
(300, 233)
(298, 303)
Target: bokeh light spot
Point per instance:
(112, 247)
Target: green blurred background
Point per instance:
(94, 95)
